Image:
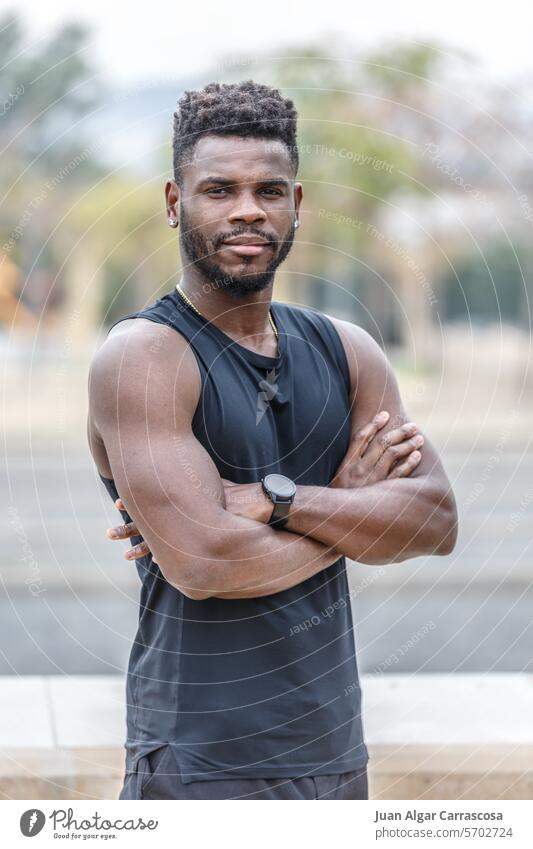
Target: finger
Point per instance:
(391, 453)
(123, 531)
(396, 453)
(119, 504)
(382, 441)
(363, 436)
(404, 469)
(229, 483)
(140, 550)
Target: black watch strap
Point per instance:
(280, 515)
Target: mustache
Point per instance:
(244, 231)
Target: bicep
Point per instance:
(375, 388)
(143, 407)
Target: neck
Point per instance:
(240, 319)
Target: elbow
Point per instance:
(207, 574)
(191, 588)
(193, 594)
(448, 526)
(190, 579)
(448, 542)
(438, 535)
(199, 575)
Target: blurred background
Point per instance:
(416, 159)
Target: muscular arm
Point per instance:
(390, 520)
(143, 390)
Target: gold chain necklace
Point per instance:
(190, 303)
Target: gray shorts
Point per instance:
(156, 777)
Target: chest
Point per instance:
(294, 421)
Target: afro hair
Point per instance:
(244, 109)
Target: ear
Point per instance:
(172, 195)
(298, 195)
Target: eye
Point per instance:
(272, 191)
(218, 191)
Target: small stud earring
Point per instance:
(172, 222)
(296, 223)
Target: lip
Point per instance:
(247, 245)
(246, 240)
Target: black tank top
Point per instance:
(262, 687)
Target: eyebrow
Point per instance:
(222, 181)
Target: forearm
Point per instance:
(275, 561)
(383, 523)
(216, 552)
(248, 559)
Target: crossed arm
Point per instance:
(210, 538)
(395, 518)
(144, 386)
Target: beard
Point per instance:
(200, 252)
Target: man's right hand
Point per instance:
(372, 457)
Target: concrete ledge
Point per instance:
(77, 773)
(451, 772)
(450, 736)
(429, 736)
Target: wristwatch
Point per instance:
(281, 491)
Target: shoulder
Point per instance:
(351, 334)
(305, 317)
(355, 336)
(366, 359)
(141, 357)
(140, 344)
(295, 311)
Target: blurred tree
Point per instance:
(45, 90)
(373, 201)
(133, 254)
(352, 166)
(492, 285)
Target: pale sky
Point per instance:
(159, 39)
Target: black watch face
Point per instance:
(280, 486)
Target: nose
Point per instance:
(247, 210)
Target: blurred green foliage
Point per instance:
(364, 123)
(492, 286)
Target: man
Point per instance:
(245, 440)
